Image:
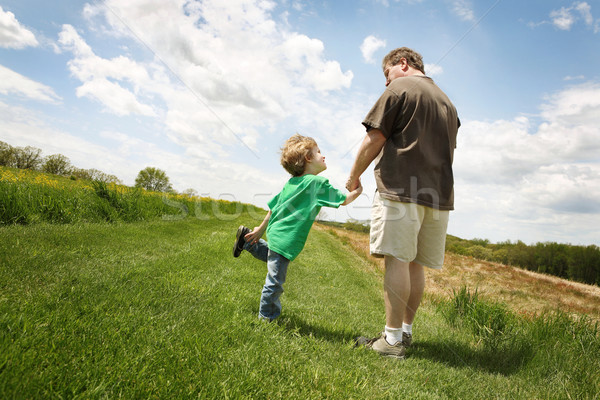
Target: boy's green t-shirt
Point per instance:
(294, 210)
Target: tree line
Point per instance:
(577, 263)
(29, 157)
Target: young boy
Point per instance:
(290, 217)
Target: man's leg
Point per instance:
(417, 287)
(396, 289)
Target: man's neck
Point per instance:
(414, 72)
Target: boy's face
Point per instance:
(316, 162)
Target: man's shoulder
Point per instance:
(410, 82)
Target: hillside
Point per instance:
(525, 292)
(160, 309)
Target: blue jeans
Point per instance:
(277, 265)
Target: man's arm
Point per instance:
(369, 149)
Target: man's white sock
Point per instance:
(407, 328)
(393, 335)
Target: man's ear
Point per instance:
(403, 64)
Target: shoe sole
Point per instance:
(392, 356)
(236, 250)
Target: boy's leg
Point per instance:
(259, 250)
(270, 306)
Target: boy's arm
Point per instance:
(353, 195)
(258, 231)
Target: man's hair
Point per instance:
(413, 58)
(294, 153)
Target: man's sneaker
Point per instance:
(380, 345)
(364, 341)
(385, 349)
(239, 240)
(406, 339)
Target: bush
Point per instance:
(489, 322)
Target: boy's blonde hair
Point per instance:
(294, 153)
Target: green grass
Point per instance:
(161, 309)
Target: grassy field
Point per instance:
(30, 197)
(160, 309)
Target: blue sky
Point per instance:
(209, 90)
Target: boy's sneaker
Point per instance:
(239, 240)
(380, 345)
(406, 339)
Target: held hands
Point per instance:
(359, 188)
(355, 189)
(353, 184)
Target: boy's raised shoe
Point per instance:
(406, 339)
(238, 246)
(380, 345)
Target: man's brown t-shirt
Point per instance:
(420, 125)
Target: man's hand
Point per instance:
(352, 183)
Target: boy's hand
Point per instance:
(254, 236)
(354, 193)
(359, 188)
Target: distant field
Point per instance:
(523, 291)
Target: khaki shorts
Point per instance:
(408, 232)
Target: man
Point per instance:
(411, 133)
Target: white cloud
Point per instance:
(433, 69)
(574, 78)
(214, 88)
(117, 99)
(124, 156)
(565, 17)
(12, 82)
(298, 50)
(369, 46)
(463, 9)
(98, 76)
(577, 107)
(12, 34)
(518, 177)
(586, 12)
